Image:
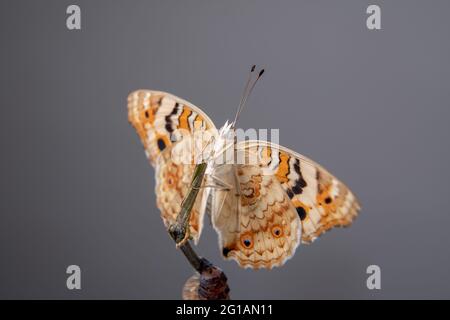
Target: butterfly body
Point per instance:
(264, 199)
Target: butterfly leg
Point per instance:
(214, 182)
(238, 192)
(179, 231)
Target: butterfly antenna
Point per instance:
(248, 90)
(244, 94)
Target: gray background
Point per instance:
(371, 106)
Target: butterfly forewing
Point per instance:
(171, 130)
(320, 199)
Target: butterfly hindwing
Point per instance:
(258, 226)
(172, 185)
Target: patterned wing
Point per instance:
(165, 124)
(257, 223)
(161, 120)
(321, 200)
(172, 184)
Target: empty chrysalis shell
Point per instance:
(210, 284)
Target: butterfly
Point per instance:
(261, 209)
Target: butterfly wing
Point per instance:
(277, 199)
(162, 120)
(321, 200)
(256, 222)
(167, 125)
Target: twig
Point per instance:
(210, 283)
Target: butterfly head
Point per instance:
(226, 132)
(223, 141)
